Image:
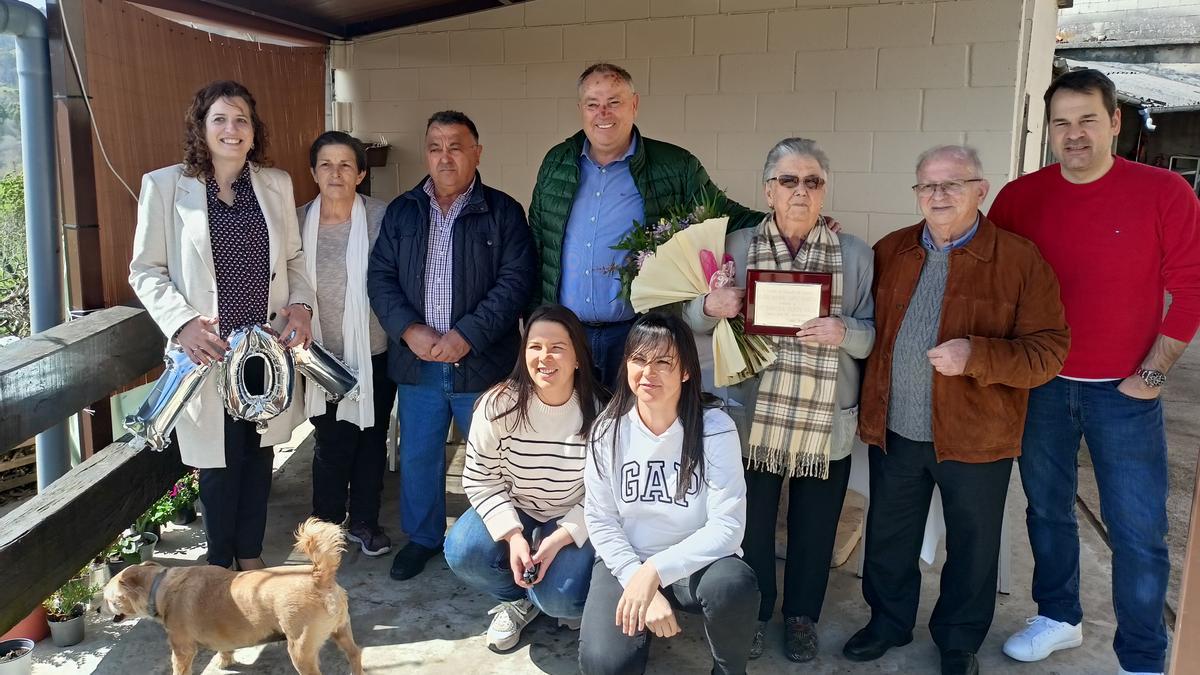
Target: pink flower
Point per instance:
(708, 264)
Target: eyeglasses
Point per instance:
(791, 182)
(950, 188)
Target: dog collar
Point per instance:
(153, 606)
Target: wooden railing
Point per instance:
(43, 380)
(1185, 651)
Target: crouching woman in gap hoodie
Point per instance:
(665, 509)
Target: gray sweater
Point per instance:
(330, 282)
(910, 408)
(858, 313)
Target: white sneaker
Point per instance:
(1043, 637)
(509, 620)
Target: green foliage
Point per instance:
(14, 268)
(12, 196)
(72, 598)
(182, 495)
(643, 240)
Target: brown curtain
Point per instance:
(142, 72)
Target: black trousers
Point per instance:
(235, 497)
(350, 462)
(725, 592)
(814, 507)
(973, 498)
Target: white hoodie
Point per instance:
(632, 514)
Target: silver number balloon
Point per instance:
(327, 371)
(157, 415)
(279, 375)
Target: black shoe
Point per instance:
(865, 645)
(959, 662)
(759, 642)
(799, 638)
(411, 559)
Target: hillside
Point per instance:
(10, 120)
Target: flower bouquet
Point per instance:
(675, 260)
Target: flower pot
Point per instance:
(149, 539)
(67, 633)
(101, 573)
(115, 565)
(32, 627)
(16, 657)
(185, 515)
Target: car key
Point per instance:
(532, 573)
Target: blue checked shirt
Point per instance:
(439, 260)
(606, 204)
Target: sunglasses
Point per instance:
(792, 182)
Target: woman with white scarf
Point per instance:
(799, 416)
(338, 229)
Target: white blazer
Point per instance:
(173, 275)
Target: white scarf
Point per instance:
(356, 331)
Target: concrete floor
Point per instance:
(433, 624)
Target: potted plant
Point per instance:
(135, 545)
(183, 496)
(15, 657)
(33, 627)
(66, 606)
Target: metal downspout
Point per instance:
(47, 302)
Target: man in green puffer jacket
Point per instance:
(590, 189)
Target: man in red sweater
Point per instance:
(1118, 234)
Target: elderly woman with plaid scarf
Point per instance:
(798, 417)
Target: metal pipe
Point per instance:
(47, 302)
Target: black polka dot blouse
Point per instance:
(241, 254)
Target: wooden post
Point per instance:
(1185, 651)
(81, 227)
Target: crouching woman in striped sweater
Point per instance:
(666, 510)
(524, 478)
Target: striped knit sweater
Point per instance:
(538, 470)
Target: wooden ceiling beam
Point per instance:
(442, 10)
(307, 32)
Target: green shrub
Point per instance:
(14, 268)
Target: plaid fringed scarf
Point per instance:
(792, 428)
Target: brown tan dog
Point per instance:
(218, 609)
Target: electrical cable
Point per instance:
(87, 101)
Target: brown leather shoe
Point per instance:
(800, 638)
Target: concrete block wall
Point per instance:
(873, 81)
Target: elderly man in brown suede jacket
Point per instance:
(967, 319)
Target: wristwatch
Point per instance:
(1152, 378)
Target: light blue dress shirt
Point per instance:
(927, 238)
(606, 204)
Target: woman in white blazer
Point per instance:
(218, 248)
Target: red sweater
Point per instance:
(1116, 244)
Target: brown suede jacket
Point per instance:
(1003, 297)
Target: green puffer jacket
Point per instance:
(666, 175)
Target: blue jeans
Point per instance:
(608, 349)
(424, 415)
(1128, 446)
(483, 564)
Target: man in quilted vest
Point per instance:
(590, 190)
